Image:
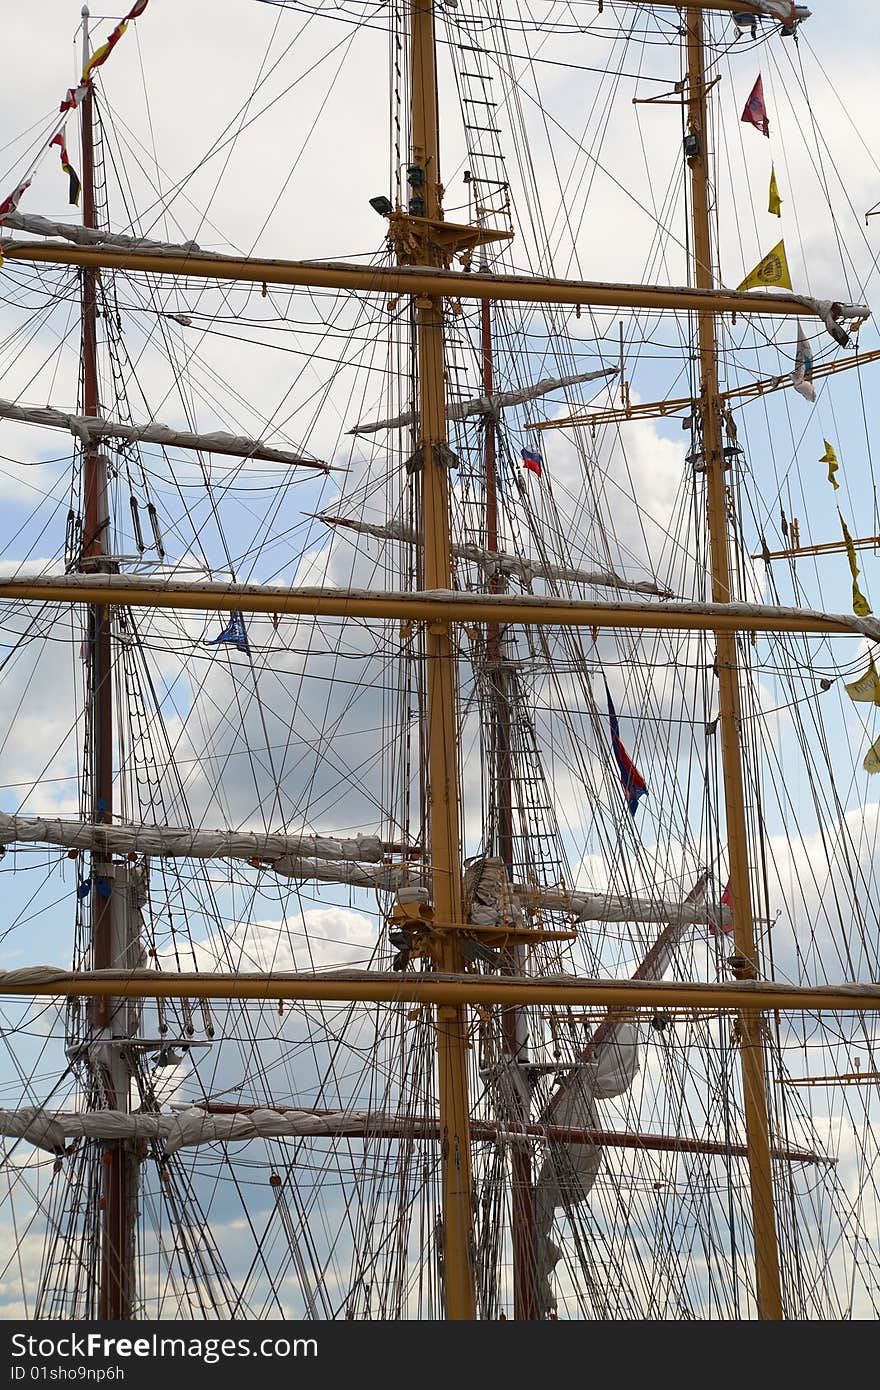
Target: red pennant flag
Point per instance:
(723, 928)
(754, 111)
(72, 175)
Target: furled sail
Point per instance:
(186, 1126)
(783, 9)
(334, 859)
(88, 236)
(90, 428)
(613, 907)
(606, 1068)
(498, 562)
(120, 838)
(452, 605)
(490, 405)
(193, 1125)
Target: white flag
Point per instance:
(802, 378)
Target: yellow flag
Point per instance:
(872, 758)
(830, 458)
(772, 270)
(775, 200)
(867, 687)
(861, 606)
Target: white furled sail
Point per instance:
(88, 236)
(91, 428)
(190, 1126)
(500, 562)
(606, 1069)
(334, 859)
(119, 838)
(491, 405)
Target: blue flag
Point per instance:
(233, 633)
(631, 779)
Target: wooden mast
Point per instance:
(513, 1031)
(768, 1291)
(117, 1201)
(443, 808)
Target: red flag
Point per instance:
(723, 928)
(101, 54)
(72, 175)
(754, 111)
(531, 460)
(11, 203)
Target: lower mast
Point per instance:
(109, 902)
(514, 1034)
(443, 809)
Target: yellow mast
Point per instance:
(443, 809)
(768, 1291)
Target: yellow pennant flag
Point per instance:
(830, 458)
(872, 758)
(861, 606)
(775, 200)
(772, 270)
(867, 687)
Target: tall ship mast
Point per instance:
(443, 710)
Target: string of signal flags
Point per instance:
(773, 270)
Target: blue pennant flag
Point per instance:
(234, 633)
(631, 779)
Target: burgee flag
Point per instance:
(830, 458)
(772, 270)
(631, 779)
(234, 632)
(803, 368)
(775, 200)
(531, 460)
(872, 758)
(861, 606)
(867, 687)
(754, 111)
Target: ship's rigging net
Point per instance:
(305, 728)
